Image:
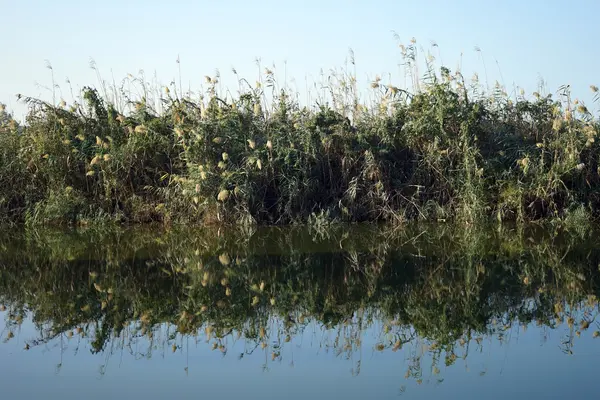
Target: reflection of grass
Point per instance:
(443, 288)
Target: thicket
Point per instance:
(446, 150)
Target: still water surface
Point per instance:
(347, 312)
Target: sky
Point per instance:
(521, 42)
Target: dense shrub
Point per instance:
(445, 151)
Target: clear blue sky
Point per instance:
(530, 39)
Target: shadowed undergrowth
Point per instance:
(447, 150)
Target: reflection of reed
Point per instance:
(432, 298)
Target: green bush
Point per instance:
(446, 151)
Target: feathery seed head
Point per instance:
(223, 195)
(224, 259)
(557, 124)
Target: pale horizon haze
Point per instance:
(521, 42)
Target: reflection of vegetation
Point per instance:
(437, 289)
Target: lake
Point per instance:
(349, 312)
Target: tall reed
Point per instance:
(447, 149)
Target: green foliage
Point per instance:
(447, 151)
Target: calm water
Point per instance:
(347, 312)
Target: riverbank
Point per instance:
(447, 151)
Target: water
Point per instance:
(343, 312)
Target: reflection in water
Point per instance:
(432, 295)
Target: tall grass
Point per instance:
(448, 149)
